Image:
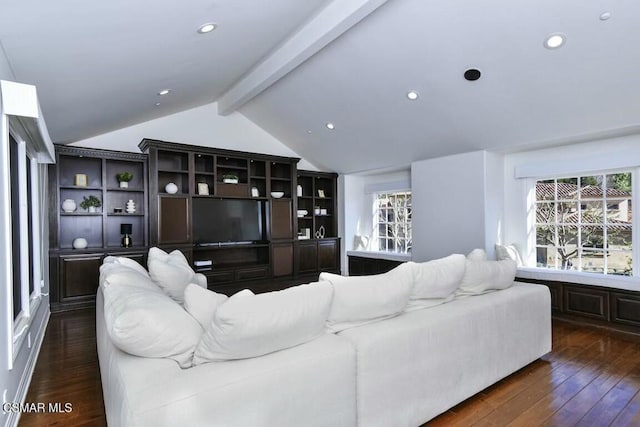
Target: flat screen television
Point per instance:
(218, 221)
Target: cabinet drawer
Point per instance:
(252, 273)
(214, 277)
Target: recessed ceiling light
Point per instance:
(605, 15)
(157, 104)
(472, 74)
(555, 40)
(412, 95)
(164, 92)
(206, 28)
(330, 126)
(309, 132)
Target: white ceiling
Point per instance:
(97, 69)
(98, 65)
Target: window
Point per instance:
(25, 148)
(392, 221)
(584, 223)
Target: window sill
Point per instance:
(393, 256)
(579, 277)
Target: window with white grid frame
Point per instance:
(392, 221)
(584, 223)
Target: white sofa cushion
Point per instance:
(485, 276)
(508, 252)
(358, 300)
(477, 255)
(249, 325)
(118, 274)
(171, 271)
(128, 262)
(202, 303)
(438, 278)
(148, 323)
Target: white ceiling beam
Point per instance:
(322, 29)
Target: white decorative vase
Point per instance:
(299, 190)
(131, 206)
(79, 243)
(69, 205)
(171, 188)
(124, 184)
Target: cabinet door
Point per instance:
(79, 276)
(282, 259)
(307, 257)
(328, 255)
(173, 220)
(281, 219)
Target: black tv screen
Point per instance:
(226, 221)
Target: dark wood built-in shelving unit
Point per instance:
(280, 258)
(74, 272)
(277, 260)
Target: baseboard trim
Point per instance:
(25, 381)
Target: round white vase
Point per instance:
(69, 205)
(79, 243)
(171, 188)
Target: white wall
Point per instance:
(614, 153)
(448, 196)
(198, 126)
(14, 382)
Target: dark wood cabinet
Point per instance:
(79, 273)
(78, 174)
(281, 219)
(362, 266)
(306, 256)
(282, 259)
(609, 307)
(317, 255)
(318, 245)
(173, 220)
(328, 255)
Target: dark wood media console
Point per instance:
(279, 257)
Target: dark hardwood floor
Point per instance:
(592, 378)
(67, 372)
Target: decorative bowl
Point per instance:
(277, 194)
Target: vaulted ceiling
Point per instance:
(294, 66)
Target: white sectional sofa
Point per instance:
(376, 362)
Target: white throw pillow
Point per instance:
(202, 303)
(485, 276)
(148, 323)
(249, 325)
(508, 252)
(114, 273)
(128, 262)
(477, 255)
(438, 278)
(171, 272)
(358, 300)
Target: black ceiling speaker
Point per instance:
(472, 74)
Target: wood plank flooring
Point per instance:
(591, 378)
(67, 372)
